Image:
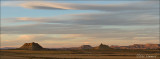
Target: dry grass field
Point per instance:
(80, 54)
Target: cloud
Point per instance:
(71, 36)
(43, 5)
(145, 5)
(85, 33)
(81, 23)
(146, 38)
(127, 23)
(121, 18)
(131, 6)
(25, 37)
(115, 19)
(124, 17)
(59, 40)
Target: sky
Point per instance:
(57, 24)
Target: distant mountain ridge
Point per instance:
(8, 48)
(36, 46)
(138, 46)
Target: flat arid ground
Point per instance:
(81, 54)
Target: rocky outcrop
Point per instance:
(138, 46)
(102, 46)
(31, 46)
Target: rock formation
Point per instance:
(31, 46)
(138, 46)
(102, 46)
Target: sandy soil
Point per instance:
(46, 55)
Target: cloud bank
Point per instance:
(100, 7)
(128, 23)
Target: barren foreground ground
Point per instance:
(110, 54)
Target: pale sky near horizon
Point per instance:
(56, 24)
